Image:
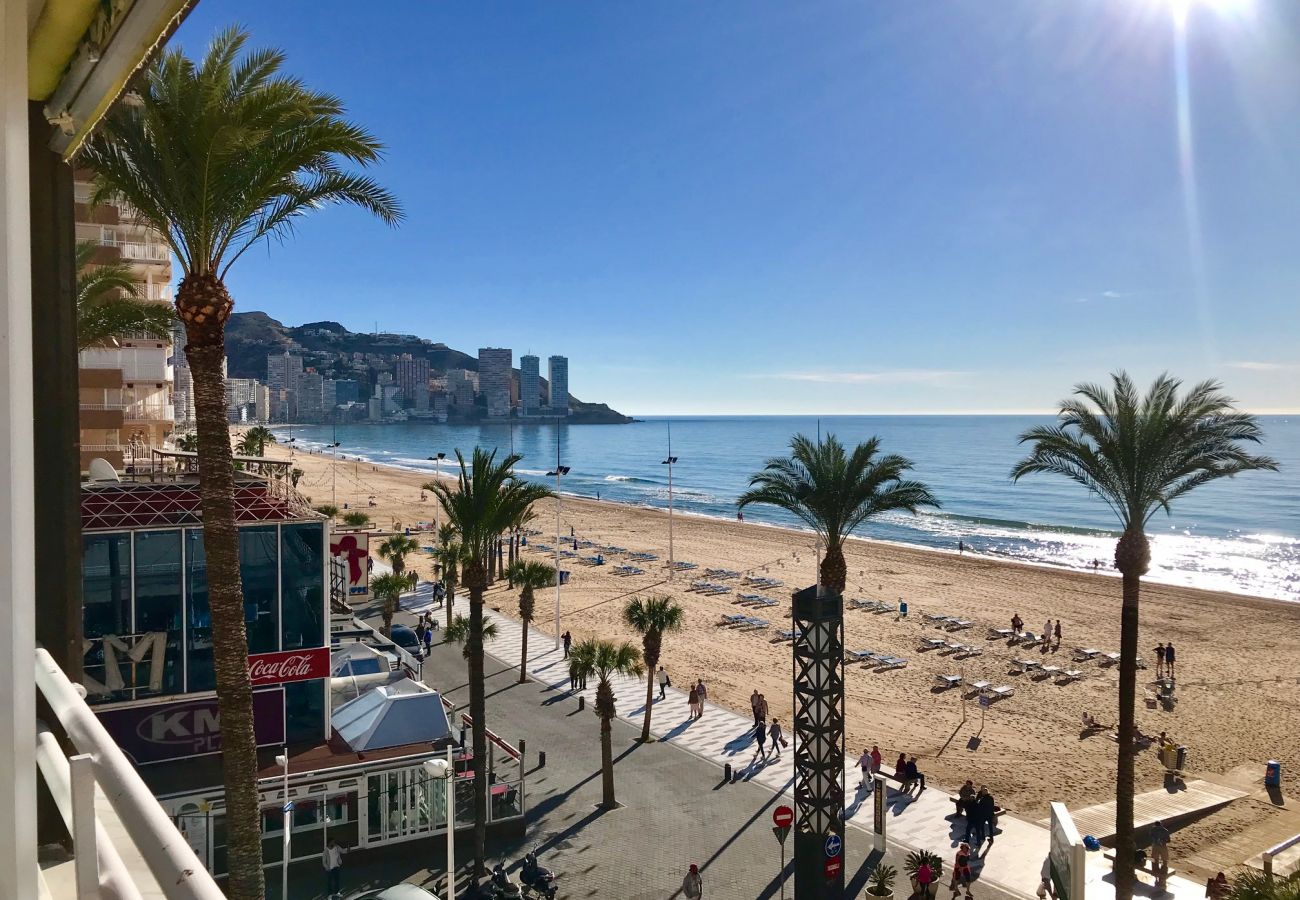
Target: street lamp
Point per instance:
(445, 770)
(559, 470)
(670, 462)
(437, 474)
(282, 760)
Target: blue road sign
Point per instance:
(288, 807)
(833, 845)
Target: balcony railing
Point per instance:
(143, 252)
(128, 847)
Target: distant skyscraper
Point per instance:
(558, 374)
(530, 385)
(494, 366)
(282, 373)
(311, 397)
(412, 375)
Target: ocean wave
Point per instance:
(630, 479)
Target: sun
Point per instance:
(1180, 9)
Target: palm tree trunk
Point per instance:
(226, 602)
(606, 758)
(1132, 556)
(523, 651)
(651, 664)
(475, 584)
(451, 599)
(834, 571)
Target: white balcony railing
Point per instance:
(128, 846)
(141, 251)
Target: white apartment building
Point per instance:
(494, 377)
(558, 374)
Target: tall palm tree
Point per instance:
(448, 555)
(528, 576)
(604, 660)
(388, 589)
(108, 305)
(652, 619)
(834, 492)
(481, 504)
(1139, 454)
(253, 442)
(216, 156)
(395, 550)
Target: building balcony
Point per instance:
(125, 844)
(136, 251)
(101, 415)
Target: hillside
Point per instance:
(328, 347)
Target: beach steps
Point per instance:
(1193, 797)
(1273, 825)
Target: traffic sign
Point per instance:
(833, 845)
(984, 701)
(288, 807)
(782, 832)
(833, 866)
(783, 817)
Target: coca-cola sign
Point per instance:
(288, 665)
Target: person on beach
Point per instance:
(760, 735)
(1169, 659)
(1160, 660)
(777, 738)
(961, 871)
(762, 709)
(693, 701)
(753, 705)
(664, 682)
(961, 548)
(864, 763)
(693, 884)
(703, 694)
(567, 640)
(1057, 634)
(1017, 624)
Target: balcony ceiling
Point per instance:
(81, 53)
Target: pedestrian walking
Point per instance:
(428, 641)
(1160, 851)
(703, 693)
(1169, 658)
(777, 738)
(961, 871)
(567, 640)
(664, 682)
(754, 707)
(762, 709)
(864, 763)
(876, 759)
(693, 701)
(573, 675)
(1057, 634)
(332, 860)
(1160, 660)
(760, 735)
(693, 884)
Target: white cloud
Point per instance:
(1264, 366)
(888, 376)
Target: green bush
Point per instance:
(881, 882)
(356, 519)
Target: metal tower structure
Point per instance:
(818, 744)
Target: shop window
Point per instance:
(198, 618)
(158, 605)
(106, 591)
(304, 711)
(259, 577)
(302, 568)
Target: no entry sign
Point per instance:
(833, 866)
(783, 817)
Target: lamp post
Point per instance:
(334, 448)
(559, 470)
(282, 760)
(445, 770)
(437, 475)
(670, 462)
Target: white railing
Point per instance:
(140, 250)
(1276, 850)
(99, 761)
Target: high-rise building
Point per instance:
(494, 365)
(413, 377)
(311, 397)
(558, 375)
(241, 394)
(125, 391)
(282, 373)
(530, 385)
(183, 381)
(461, 385)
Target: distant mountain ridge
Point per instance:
(252, 336)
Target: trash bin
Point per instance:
(1273, 774)
(1180, 759)
(902, 609)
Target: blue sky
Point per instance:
(753, 207)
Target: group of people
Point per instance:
(695, 698)
(1051, 631)
(763, 732)
(980, 810)
(909, 775)
(424, 630)
(1165, 659)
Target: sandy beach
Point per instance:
(1238, 683)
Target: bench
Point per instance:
(956, 801)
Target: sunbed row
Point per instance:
(1087, 654)
(624, 571)
(743, 623)
(962, 651)
(948, 623)
(722, 573)
(711, 588)
(763, 581)
(873, 660)
(975, 688)
(875, 606)
(755, 600)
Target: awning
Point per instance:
(82, 53)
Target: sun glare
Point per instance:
(1181, 8)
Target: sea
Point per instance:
(1240, 534)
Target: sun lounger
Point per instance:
(862, 604)
(1001, 692)
(1083, 654)
(1000, 634)
(935, 620)
(979, 687)
(568, 554)
(1050, 671)
(954, 646)
(1025, 665)
(1110, 659)
(958, 624)
(861, 655)
(932, 643)
(1069, 675)
(681, 566)
(947, 681)
(885, 663)
(782, 637)
(883, 607)
(755, 624)
(765, 602)
(1029, 639)
(734, 619)
(967, 652)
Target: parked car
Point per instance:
(404, 637)
(396, 892)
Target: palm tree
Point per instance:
(1139, 454)
(188, 443)
(458, 633)
(217, 156)
(605, 659)
(834, 493)
(528, 576)
(328, 510)
(1253, 885)
(652, 619)
(481, 504)
(254, 441)
(395, 550)
(448, 555)
(388, 589)
(108, 305)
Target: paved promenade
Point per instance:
(1011, 864)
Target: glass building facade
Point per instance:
(149, 627)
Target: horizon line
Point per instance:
(1266, 411)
